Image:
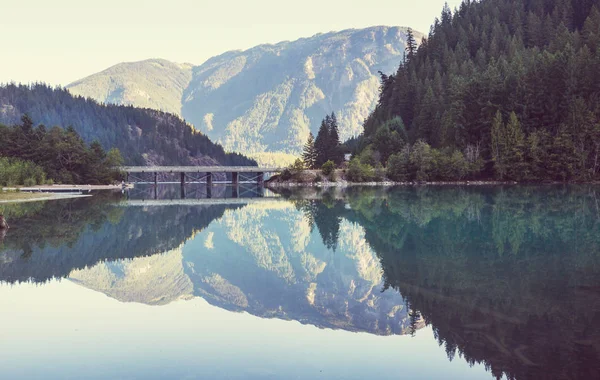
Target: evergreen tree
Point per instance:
(516, 168)
(411, 44)
(309, 156)
(335, 152)
(499, 146)
(322, 144)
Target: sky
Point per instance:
(60, 41)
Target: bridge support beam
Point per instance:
(260, 180)
(182, 174)
(209, 183)
(235, 178)
(155, 178)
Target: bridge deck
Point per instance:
(199, 169)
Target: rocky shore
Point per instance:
(314, 178)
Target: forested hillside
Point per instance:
(35, 155)
(508, 88)
(143, 136)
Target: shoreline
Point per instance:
(29, 197)
(433, 183)
(49, 192)
(50, 188)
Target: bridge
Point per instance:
(229, 175)
(200, 174)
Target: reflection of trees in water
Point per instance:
(52, 240)
(325, 215)
(506, 277)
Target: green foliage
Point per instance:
(364, 168)
(328, 168)
(309, 156)
(14, 172)
(59, 154)
(423, 163)
(398, 168)
(512, 84)
(297, 166)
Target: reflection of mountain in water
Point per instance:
(153, 280)
(265, 259)
(269, 263)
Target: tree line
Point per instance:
(37, 155)
(142, 135)
(500, 89)
(326, 147)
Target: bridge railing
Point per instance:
(199, 169)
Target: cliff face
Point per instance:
(268, 98)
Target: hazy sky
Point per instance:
(60, 41)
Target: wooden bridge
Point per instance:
(201, 174)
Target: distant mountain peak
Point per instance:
(266, 98)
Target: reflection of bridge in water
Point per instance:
(197, 191)
(199, 202)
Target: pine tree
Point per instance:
(499, 146)
(411, 44)
(516, 167)
(309, 156)
(334, 144)
(321, 143)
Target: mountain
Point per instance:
(267, 98)
(154, 83)
(144, 136)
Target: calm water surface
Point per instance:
(404, 283)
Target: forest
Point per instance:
(500, 89)
(37, 155)
(143, 136)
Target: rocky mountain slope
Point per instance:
(267, 98)
(154, 83)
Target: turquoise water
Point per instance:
(416, 283)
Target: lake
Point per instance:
(378, 283)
